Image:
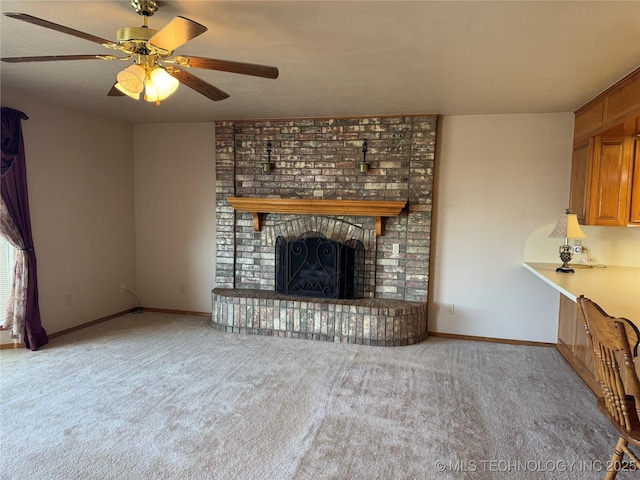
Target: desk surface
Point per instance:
(615, 289)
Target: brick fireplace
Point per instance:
(317, 159)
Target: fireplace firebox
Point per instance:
(314, 266)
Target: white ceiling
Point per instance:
(342, 58)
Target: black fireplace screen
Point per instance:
(315, 266)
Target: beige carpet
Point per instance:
(160, 396)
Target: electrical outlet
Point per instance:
(183, 289)
(123, 287)
(451, 309)
(67, 299)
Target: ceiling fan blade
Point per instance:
(199, 85)
(177, 32)
(114, 92)
(58, 28)
(55, 58)
(233, 67)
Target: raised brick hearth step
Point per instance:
(367, 321)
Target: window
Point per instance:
(6, 272)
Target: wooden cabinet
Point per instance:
(581, 346)
(611, 181)
(589, 119)
(622, 101)
(605, 181)
(580, 177)
(615, 106)
(573, 344)
(567, 321)
(634, 215)
(605, 168)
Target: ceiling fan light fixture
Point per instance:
(150, 91)
(135, 96)
(131, 79)
(159, 85)
(165, 83)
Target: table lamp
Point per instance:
(567, 227)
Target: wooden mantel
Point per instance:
(301, 206)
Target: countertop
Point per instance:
(615, 289)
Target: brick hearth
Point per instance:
(370, 321)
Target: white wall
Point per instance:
(175, 215)
(499, 177)
(80, 179)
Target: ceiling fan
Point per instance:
(155, 72)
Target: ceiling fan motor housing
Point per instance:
(145, 7)
(134, 34)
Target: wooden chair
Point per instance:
(614, 343)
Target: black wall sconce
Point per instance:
(363, 166)
(267, 166)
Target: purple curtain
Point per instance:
(16, 197)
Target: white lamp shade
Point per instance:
(131, 79)
(164, 83)
(150, 91)
(135, 96)
(567, 227)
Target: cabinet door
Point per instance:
(582, 348)
(573, 344)
(579, 190)
(634, 215)
(610, 182)
(567, 322)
